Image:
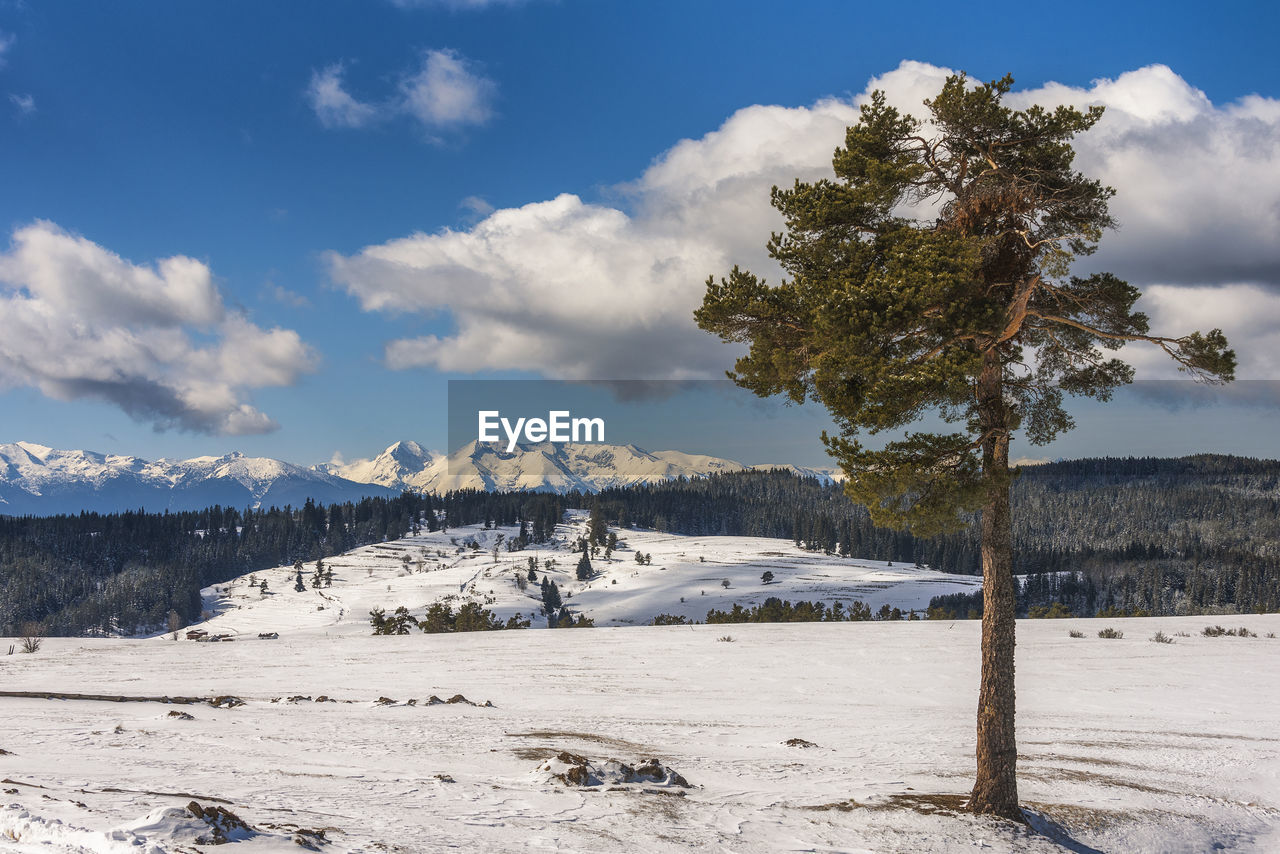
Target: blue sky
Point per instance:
(277, 144)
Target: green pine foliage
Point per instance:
(584, 570)
(969, 312)
(440, 619)
(775, 610)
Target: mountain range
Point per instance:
(38, 480)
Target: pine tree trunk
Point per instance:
(995, 790)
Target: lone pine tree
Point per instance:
(933, 275)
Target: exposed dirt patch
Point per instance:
(925, 804)
(798, 742)
(1076, 776)
(1084, 760)
(608, 741)
(535, 754)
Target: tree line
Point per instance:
(1158, 536)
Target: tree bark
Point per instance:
(995, 789)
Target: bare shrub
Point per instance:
(1111, 634)
(32, 637)
(1161, 637)
(1219, 631)
(1076, 633)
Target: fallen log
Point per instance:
(108, 698)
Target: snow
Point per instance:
(1128, 746)
(685, 578)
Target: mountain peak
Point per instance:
(38, 451)
(406, 450)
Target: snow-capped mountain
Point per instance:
(562, 467)
(543, 467)
(38, 480)
(398, 467)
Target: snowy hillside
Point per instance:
(685, 578)
(35, 479)
(851, 737)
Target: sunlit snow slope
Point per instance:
(685, 578)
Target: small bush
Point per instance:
(1111, 634)
(1076, 633)
(1161, 637)
(32, 637)
(1219, 631)
(725, 639)
(1183, 634)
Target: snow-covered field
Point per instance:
(1128, 745)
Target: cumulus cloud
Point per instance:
(445, 91)
(571, 289)
(1198, 185)
(156, 339)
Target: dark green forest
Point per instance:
(124, 572)
(1161, 536)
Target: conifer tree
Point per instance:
(550, 597)
(968, 310)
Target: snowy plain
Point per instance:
(1127, 745)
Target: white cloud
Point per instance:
(333, 105)
(571, 289)
(1198, 185)
(26, 104)
(155, 340)
(1249, 314)
(6, 42)
(445, 92)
